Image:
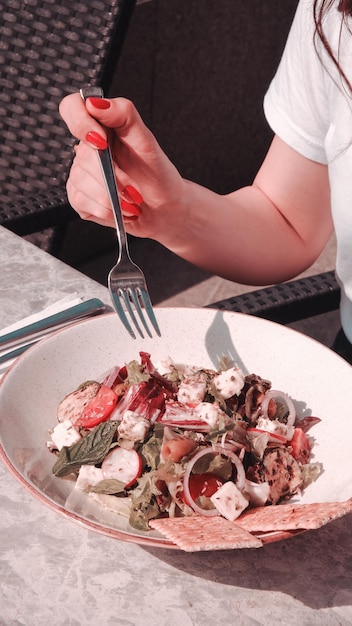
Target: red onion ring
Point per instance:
(272, 394)
(191, 502)
(241, 476)
(215, 449)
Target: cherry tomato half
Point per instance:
(99, 408)
(204, 485)
(301, 446)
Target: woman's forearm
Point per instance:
(242, 236)
(260, 234)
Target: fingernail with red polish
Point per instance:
(99, 103)
(96, 140)
(132, 194)
(130, 208)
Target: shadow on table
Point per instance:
(315, 567)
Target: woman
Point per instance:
(275, 228)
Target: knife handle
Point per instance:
(34, 331)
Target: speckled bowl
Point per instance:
(319, 382)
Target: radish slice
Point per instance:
(272, 395)
(123, 465)
(272, 437)
(216, 449)
(200, 427)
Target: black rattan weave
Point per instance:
(48, 48)
(288, 302)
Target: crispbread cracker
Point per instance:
(292, 516)
(196, 533)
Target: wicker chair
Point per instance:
(48, 49)
(288, 302)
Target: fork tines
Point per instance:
(123, 298)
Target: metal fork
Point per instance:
(126, 281)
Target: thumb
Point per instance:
(76, 117)
(121, 115)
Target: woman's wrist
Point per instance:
(186, 221)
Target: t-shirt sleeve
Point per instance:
(296, 104)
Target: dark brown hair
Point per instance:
(345, 6)
(320, 9)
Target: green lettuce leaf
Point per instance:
(144, 506)
(135, 373)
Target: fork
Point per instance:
(126, 281)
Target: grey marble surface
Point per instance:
(31, 280)
(53, 571)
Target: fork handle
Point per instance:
(107, 167)
(109, 175)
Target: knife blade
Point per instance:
(35, 331)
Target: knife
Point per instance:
(31, 333)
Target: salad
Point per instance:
(176, 440)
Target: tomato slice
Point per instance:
(204, 484)
(99, 408)
(301, 446)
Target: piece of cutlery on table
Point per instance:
(22, 338)
(126, 281)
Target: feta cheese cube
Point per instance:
(230, 382)
(165, 366)
(133, 426)
(65, 434)
(276, 427)
(209, 413)
(229, 501)
(191, 392)
(88, 476)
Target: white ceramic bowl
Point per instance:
(319, 382)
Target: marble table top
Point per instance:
(53, 571)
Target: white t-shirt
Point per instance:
(310, 109)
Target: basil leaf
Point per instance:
(89, 450)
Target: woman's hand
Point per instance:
(148, 183)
